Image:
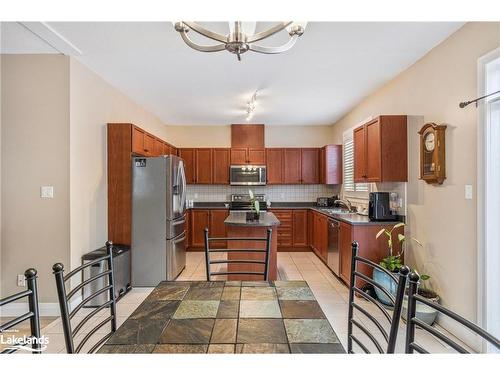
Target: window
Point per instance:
(349, 185)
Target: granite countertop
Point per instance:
(266, 219)
(227, 317)
(353, 219)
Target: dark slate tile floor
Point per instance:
(227, 317)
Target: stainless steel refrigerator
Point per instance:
(158, 219)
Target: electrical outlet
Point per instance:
(21, 280)
(47, 192)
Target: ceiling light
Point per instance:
(241, 37)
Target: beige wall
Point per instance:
(35, 152)
(94, 103)
(439, 215)
(275, 136)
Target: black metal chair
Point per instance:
(396, 303)
(412, 322)
(64, 297)
(33, 314)
(266, 251)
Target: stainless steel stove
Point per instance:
(241, 202)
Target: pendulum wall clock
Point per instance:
(432, 153)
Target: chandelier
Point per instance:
(241, 37)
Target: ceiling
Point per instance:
(332, 67)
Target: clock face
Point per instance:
(430, 142)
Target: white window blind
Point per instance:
(349, 185)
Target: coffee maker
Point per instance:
(379, 207)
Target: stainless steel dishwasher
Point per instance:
(333, 257)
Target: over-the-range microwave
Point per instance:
(247, 175)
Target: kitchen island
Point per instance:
(238, 226)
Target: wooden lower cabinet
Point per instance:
(284, 231)
(299, 228)
(211, 219)
(320, 233)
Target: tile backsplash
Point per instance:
(275, 193)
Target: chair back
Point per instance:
(33, 314)
(413, 322)
(389, 338)
(264, 262)
(67, 314)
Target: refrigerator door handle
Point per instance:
(182, 238)
(178, 222)
(183, 178)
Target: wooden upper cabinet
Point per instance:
(380, 150)
(137, 141)
(330, 164)
(256, 156)
(300, 222)
(247, 136)
(373, 156)
(187, 154)
(309, 166)
(203, 166)
(238, 156)
(158, 147)
(274, 158)
(200, 219)
(149, 144)
(166, 149)
(359, 154)
(221, 165)
(292, 166)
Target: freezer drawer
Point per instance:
(176, 256)
(176, 227)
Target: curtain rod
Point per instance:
(465, 104)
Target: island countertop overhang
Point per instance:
(266, 219)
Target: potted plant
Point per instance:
(254, 214)
(392, 263)
(423, 312)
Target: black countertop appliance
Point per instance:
(379, 208)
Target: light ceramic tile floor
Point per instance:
(331, 294)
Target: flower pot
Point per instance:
(252, 216)
(423, 312)
(388, 283)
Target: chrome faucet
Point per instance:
(346, 203)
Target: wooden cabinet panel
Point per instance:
(203, 166)
(188, 228)
(149, 144)
(124, 140)
(158, 147)
(188, 155)
(359, 154)
(300, 228)
(380, 150)
(373, 148)
(284, 231)
(247, 136)
(200, 219)
(292, 165)
(137, 141)
(330, 164)
(239, 156)
(217, 227)
(345, 241)
(274, 158)
(166, 149)
(310, 166)
(174, 150)
(256, 156)
(221, 165)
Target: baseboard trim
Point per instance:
(19, 308)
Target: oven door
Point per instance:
(248, 175)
